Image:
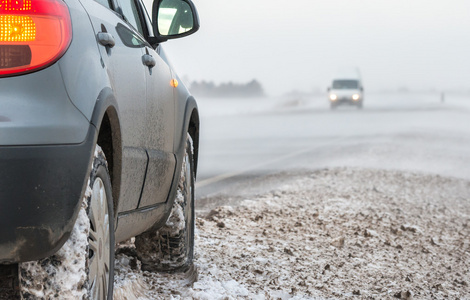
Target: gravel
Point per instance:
(332, 234)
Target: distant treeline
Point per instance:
(229, 89)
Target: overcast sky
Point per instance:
(299, 44)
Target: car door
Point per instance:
(121, 46)
(160, 122)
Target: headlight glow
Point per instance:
(356, 97)
(333, 97)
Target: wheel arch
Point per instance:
(105, 118)
(192, 128)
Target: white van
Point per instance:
(346, 88)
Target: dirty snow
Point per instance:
(334, 233)
(63, 273)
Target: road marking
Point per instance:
(221, 177)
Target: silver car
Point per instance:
(98, 143)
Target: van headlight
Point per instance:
(333, 97)
(356, 97)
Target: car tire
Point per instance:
(84, 267)
(332, 106)
(171, 247)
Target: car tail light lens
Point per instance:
(33, 34)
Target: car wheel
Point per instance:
(171, 248)
(84, 267)
(332, 106)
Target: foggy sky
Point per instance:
(299, 44)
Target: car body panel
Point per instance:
(129, 222)
(126, 73)
(36, 110)
(81, 65)
(48, 132)
(160, 122)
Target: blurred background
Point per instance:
(260, 72)
(299, 44)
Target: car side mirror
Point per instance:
(328, 89)
(362, 89)
(174, 19)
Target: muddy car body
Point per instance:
(106, 84)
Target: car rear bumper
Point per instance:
(40, 192)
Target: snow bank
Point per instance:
(334, 234)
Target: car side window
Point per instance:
(131, 13)
(129, 37)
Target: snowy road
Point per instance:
(246, 140)
(299, 202)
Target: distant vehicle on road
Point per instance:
(98, 143)
(346, 88)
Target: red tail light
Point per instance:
(33, 34)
